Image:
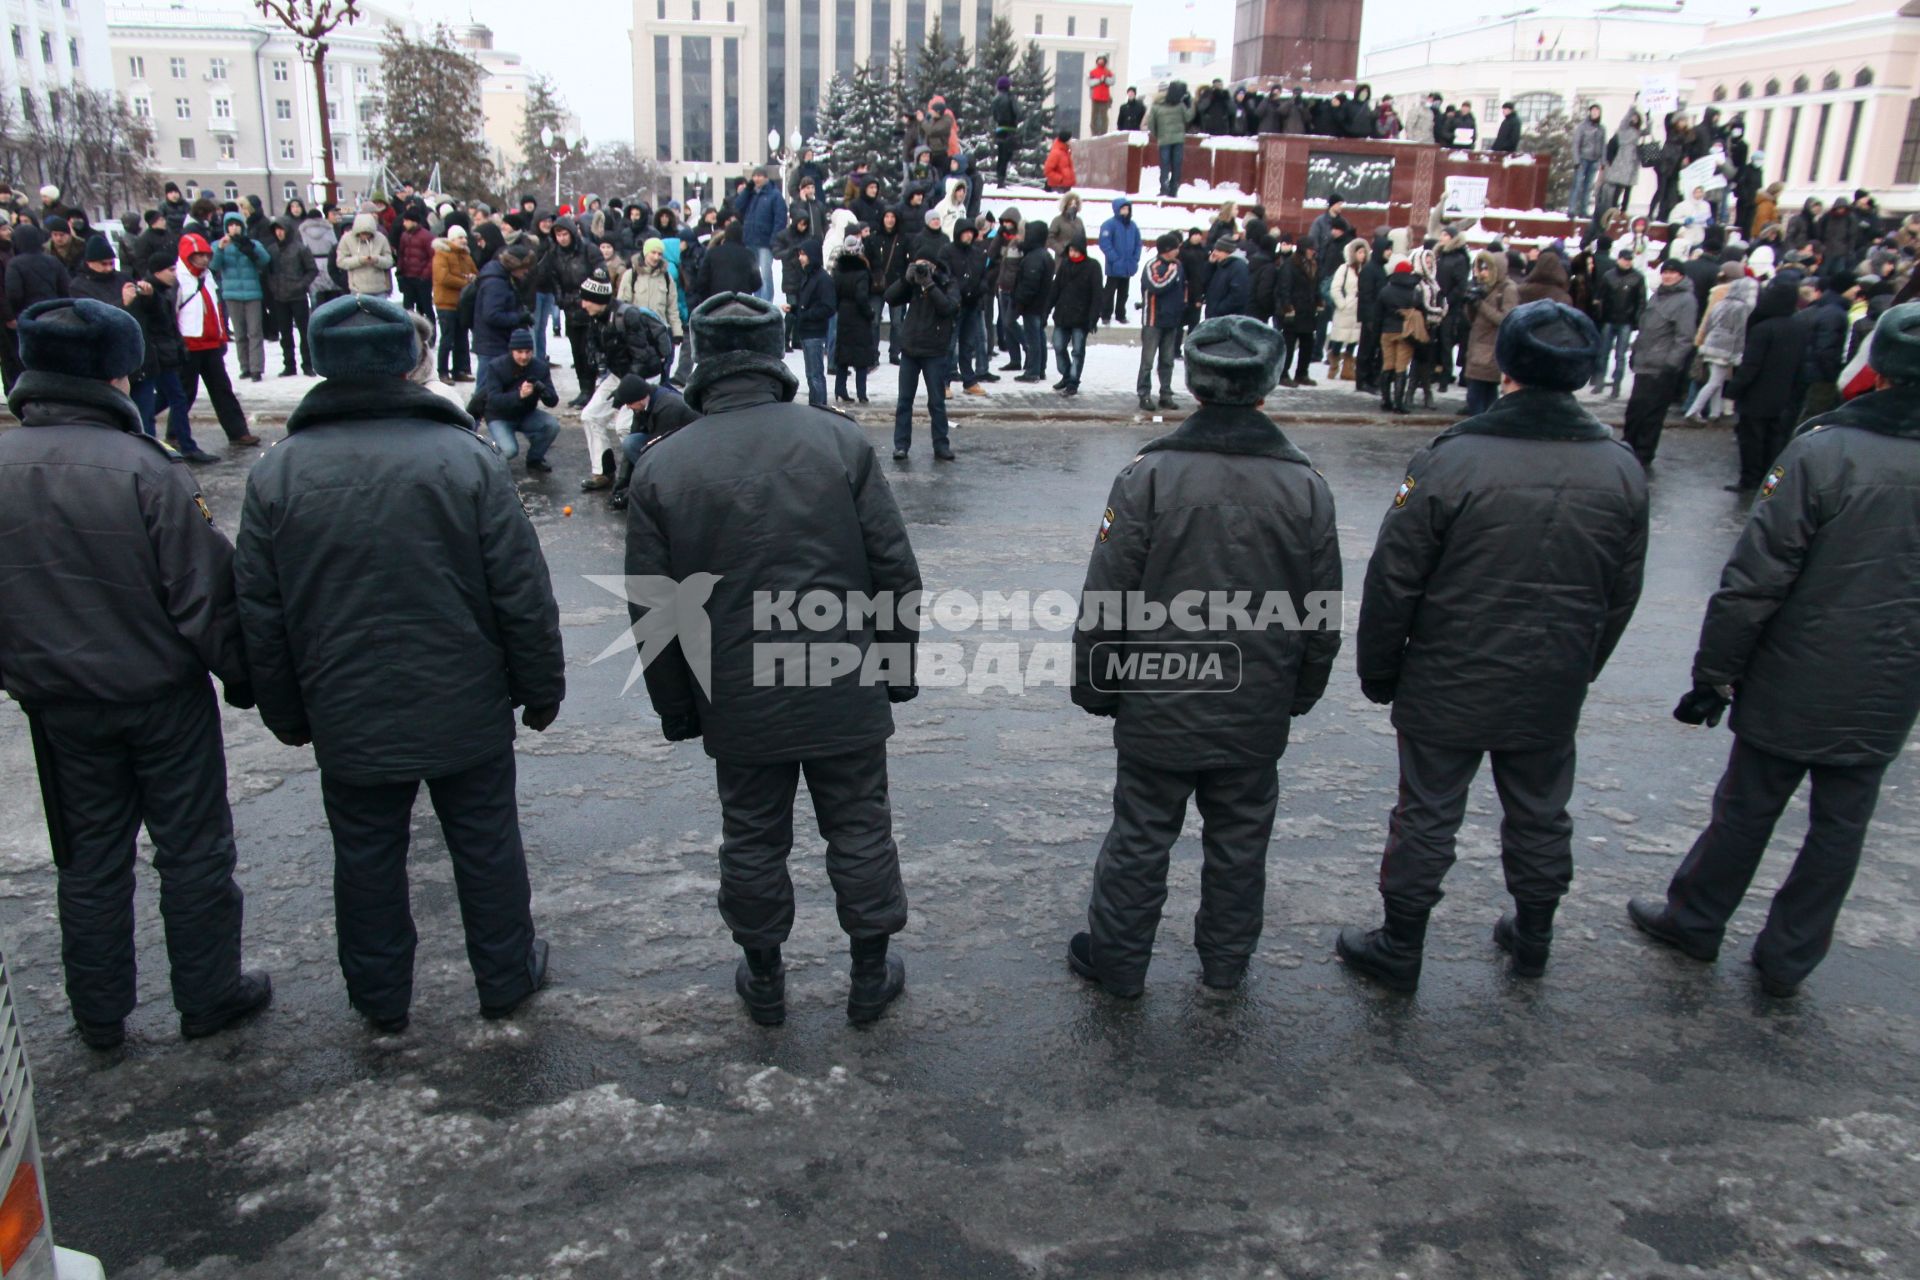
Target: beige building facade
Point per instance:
(713, 77)
(1831, 97)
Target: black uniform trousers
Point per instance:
(114, 766)
(1536, 835)
(1646, 416)
(1130, 876)
(1716, 872)
(480, 818)
(293, 314)
(1761, 437)
(850, 805)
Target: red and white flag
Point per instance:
(1858, 377)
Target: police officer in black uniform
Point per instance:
(116, 600)
(780, 500)
(397, 610)
(1506, 570)
(1814, 637)
(1224, 508)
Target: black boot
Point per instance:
(1386, 394)
(1080, 960)
(1146, 404)
(618, 498)
(1390, 955)
(761, 981)
(1526, 934)
(536, 970)
(877, 979)
(1403, 393)
(1654, 920)
(253, 993)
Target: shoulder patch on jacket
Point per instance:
(205, 510)
(168, 451)
(1106, 524)
(1405, 490)
(1772, 482)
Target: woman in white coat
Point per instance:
(1343, 330)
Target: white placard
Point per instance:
(1659, 95)
(1464, 195)
(1703, 173)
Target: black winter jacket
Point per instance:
(101, 286)
(1296, 296)
(814, 300)
(118, 587)
(1825, 326)
(1075, 295)
(968, 263)
(1230, 288)
(1622, 295)
(160, 326)
(1767, 380)
(632, 339)
(1225, 504)
(824, 519)
(1033, 287)
(497, 310)
(33, 274)
(1505, 572)
(1816, 624)
(395, 601)
(928, 328)
(498, 389)
(727, 267)
(857, 344)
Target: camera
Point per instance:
(920, 273)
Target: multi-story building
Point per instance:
(1831, 97)
(713, 77)
(232, 105)
(503, 97)
(54, 44)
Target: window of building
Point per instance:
(46, 47)
(1766, 128)
(227, 149)
(283, 108)
(696, 10)
(334, 150)
(26, 101)
(223, 108)
(982, 24)
(73, 51)
(54, 107)
(730, 94)
(182, 109)
(696, 99)
(1532, 108)
(1103, 28)
(663, 99)
(843, 15)
(333, 110)
(1773, 88)
(216, 68)
(333, 74)
(1039, 25)
(186, 148)
(177, 68)
(1801, 84)
(143, 107)
(1070, 26)
(231, 189)
(1719, 93)
(1853, 136)
(1819, 142)
(286, 148)
(950, 19)
(360, 77)
(879, 37)
(1793, 135)
(774, 22)
(809, 65)
(1908, 170)
(916, 30)
(729, 10)
(662, 10)
(289, 192)
(1069, 69)
(1831, 80)
(1863, 77)
(281, 73)
(366, 151)
(19, 43)
(1745, 90)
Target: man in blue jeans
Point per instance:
(926, 291)
(763, 215)
(1622, 296)
(512, 389)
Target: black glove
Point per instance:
(1705, 704)
(538, 718)
(1301, 706)
(238, 695)
(681, 728)
(1380, 691)
(902, 692)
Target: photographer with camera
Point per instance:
(926, 291)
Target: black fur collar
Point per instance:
(1224, 428)
(749, 378)
(48, 399)
(381, 400)
(1893, 412)
(1533, 414)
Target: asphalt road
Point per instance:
(1631, 1115)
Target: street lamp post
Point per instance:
(783, 155)
(558, 149)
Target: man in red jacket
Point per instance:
(413, 262)
(1102, 78)
(205, 330)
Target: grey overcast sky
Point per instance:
(586, 46)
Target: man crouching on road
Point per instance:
(1505, 572)
(1224, 507)
(764, 498)
(397, 609)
